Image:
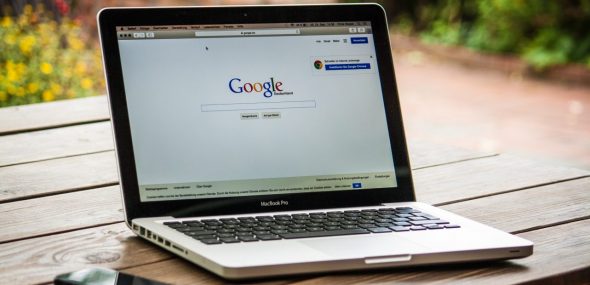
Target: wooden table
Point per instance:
(60, 207)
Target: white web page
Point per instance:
(219, 117)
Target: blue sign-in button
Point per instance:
(348, 66)
(359, 40)
(357, 185)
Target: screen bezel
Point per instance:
(110, 18)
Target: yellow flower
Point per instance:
(75, 43)
(56, 88)
(86, 83)
(81, 67)
(12, 71)
(26, 44)
(46, 68)
(20, 92)
(33, 87)
(3, 96)
(48, 96)
(21, 68)
(6, 22)
(10, 39)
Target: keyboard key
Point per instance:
(427, 222)
(302, 225)
(417, 218)
(332, 228)
(367, 226)
(229, 240)
(434, 227)
(400, 229)
(202, 233)
(298, 230)
(205, 237)
(315, 229)
(379, 230)
(268, 237)
(247, 238)
(348, 227)
(325, 233)
(210, 241)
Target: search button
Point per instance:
(359, 40)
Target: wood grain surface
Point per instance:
(488, 212)
(60, 208)
(51, 115)
(55, 143)
(55, 176)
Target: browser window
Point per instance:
(257, 109)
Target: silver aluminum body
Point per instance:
(473, 241)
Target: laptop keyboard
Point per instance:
(316, 224)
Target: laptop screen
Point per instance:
(255, 109)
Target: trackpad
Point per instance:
(364, 246)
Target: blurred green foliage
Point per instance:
(544, 33)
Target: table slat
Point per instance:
(57, 175)
(540, 206)
(58, 213)
(486, 176)
(55, 143)
(18, 214)
(39, 259)
(54, 114)
(67, 174)
(41, 264)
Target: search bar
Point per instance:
(246, 33)
(258, 106)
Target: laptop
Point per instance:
(259, 141)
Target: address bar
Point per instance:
(242, 33)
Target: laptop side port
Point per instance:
(178, 248)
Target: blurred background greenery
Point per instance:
(49, 48)
(543, 33)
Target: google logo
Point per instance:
(268, 87)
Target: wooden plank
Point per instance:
(40, 265)
(542, 206)
(67, 174)
(54, 114)
(521, 174)
(57, 213)
(486, 176)
(426, 154)
(112, 246)
(55, 143)
(562, 255)
(57, 176)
